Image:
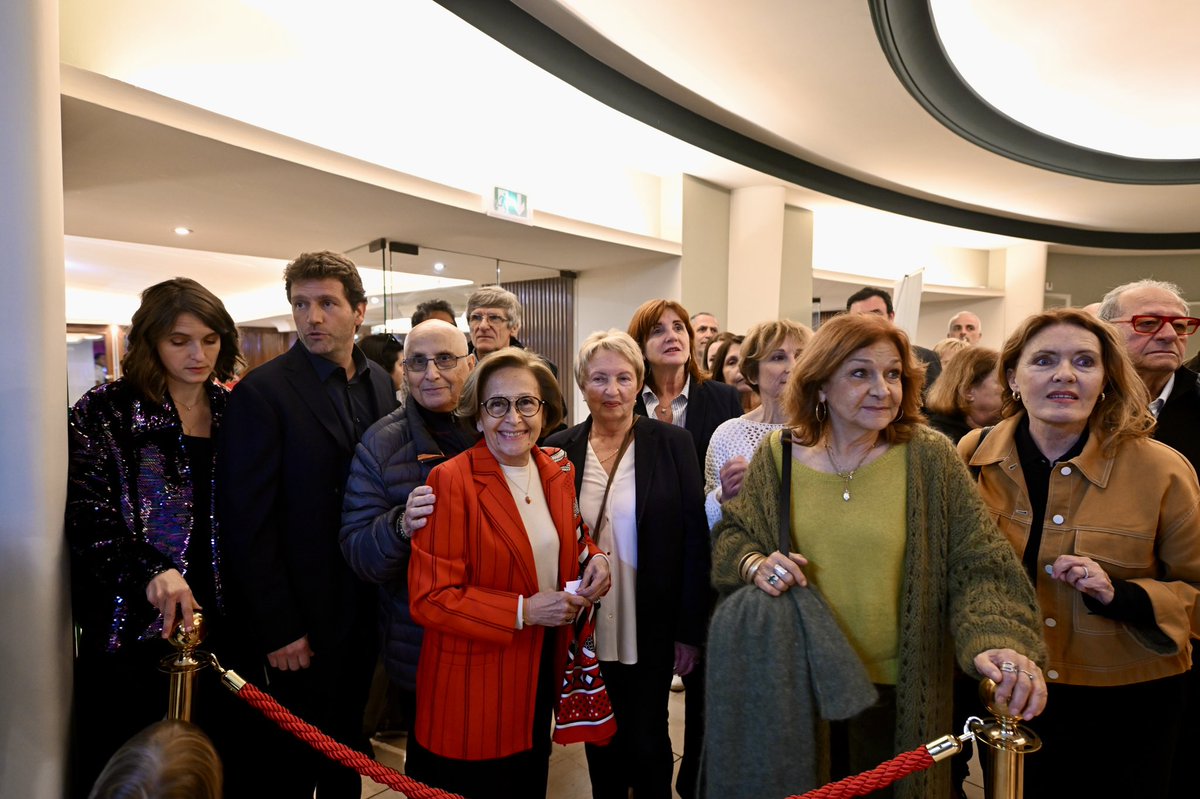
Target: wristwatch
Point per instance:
(400, 531)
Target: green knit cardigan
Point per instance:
(964, 590)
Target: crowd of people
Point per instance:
(370, 520)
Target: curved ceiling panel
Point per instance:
(545, 47)
(910, 40)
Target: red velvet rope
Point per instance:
(881, 776)
(339, 752)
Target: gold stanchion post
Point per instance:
(1006, 743)
(182, 666)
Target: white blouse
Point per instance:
(616, 618)
(539, 526)
(734, 437)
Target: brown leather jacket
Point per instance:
(1137, 513)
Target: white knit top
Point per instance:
(739, 436)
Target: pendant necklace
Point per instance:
(528, 481)
(847, 476)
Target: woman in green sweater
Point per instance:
(886, 523)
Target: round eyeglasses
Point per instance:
(497, 407)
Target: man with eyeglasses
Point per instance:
(494, 319)
(1152, 318)
(389, 471)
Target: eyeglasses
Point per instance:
(493, 319)
(497, 407)
(1149, 324)
(443, 360)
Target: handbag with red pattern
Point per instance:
(584, 713)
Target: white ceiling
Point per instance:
(274, 127)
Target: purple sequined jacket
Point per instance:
(129, 510)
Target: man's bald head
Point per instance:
(433, 386)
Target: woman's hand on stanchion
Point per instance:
(779, 572)
(1084, 575)
(597, 578)
(687, 658)
(166, 591)
(1019, 681)
(553, 608)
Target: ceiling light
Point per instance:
(183, 231)
(439, 266)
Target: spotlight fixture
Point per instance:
(183, 231)
(439, 267)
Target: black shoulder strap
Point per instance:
(785, 495)
(983, 433)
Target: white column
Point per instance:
(1023, 271)
(36, 654)
(755, 255)
(705, 243)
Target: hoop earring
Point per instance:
(1102, 396)
(818, 411)
(1016, 394)
(901, 416)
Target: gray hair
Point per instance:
(615, 341)
(1110, 306)
(496, 297)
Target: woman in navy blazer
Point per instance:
(676, 391)
(649, 518)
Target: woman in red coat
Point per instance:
(491, 580)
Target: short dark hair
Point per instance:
(382, 348)
(161, 305)
(866, 293)
(427, 308)
(322, 265)
(512, 358)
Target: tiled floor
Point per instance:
(568, 767)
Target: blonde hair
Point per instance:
(612, 340)
(1123, 411)
(766, 337)
(171, 759)
(946, 349)
(837, 340)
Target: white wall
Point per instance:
(607, 298)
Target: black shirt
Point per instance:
(353, 398)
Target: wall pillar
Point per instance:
(35, 656)
(1022, 272)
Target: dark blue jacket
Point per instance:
(395, 456)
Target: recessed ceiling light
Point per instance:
(439, 266)
(183, 231)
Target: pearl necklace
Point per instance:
(847, 476)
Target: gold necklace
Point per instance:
(528, 482)
(847, 476)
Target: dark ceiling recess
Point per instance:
(909, 38)
(541, 45)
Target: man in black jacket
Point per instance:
(1152, 318)
(285, 448)
(391, 464)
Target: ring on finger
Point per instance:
(1008, 667)
(1028, 674)
(773, 580)
(1086, 573)
(782, 572)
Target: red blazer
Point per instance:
(477, 677)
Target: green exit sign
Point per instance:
(510, 205)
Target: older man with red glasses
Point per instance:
(1152, 317)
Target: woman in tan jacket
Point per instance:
(1107, 523)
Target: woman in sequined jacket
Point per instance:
(139, 513)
